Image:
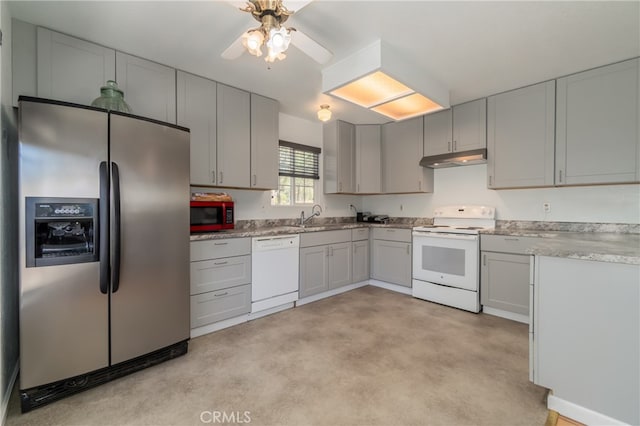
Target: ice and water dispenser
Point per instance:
(61, 231)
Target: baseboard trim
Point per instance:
(506, 314)
(580, 413)
(7, 393)
(330, 293)
(392, 287)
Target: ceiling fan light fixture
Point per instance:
(324, 113)
(253, 41)
(376, 76)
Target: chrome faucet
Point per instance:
(313, 213)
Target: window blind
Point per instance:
(298, 160)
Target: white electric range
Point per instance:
(446, 256)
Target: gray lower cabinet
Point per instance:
(220, 280)
(391, 256)
(313, 270)
(504, 273)
(325, 261)
(360, 254)
(504, 282)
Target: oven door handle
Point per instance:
(445, 235)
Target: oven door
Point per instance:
(448, 259)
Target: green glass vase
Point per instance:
(111, 98)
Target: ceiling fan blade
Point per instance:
(235, 50)
(310, 47)
(296, 5)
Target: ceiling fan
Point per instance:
(272, 35)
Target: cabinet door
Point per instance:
(339, 265)
(402, 149)
(597, 136)
(470, 125)
(197, 111)
(339, 157)
(234, 137)
(504, 282)
(149, 88)
(360, 261)
(367, 159)
(437, 133)
(70, 69)
(264, 142)
(520, 143)
(313, 270)
(391, 262)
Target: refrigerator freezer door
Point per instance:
(150, 308)
(63, 315)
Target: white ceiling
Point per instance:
(475, 48)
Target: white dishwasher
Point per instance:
(274, 271)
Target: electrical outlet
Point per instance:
(546, 207)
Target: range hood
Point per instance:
(452, 159)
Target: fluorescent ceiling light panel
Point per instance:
(372, 89)
(407, 107)
(376, 74)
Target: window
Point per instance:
(298, 170)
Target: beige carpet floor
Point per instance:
(365, 357)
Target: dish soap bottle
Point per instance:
(111, 98)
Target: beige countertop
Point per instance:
(597, 246)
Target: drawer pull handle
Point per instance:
(220, 244)
(220, 263)
(221, 294)
(512, 239)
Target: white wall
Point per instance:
(257, 204)
(468, 185)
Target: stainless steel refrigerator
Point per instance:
(104, 246)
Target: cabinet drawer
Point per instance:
(325, 237)
(506, 244)
(392, 234)
(359, 234)
(213, 249)
(219, 305)
(216, 274)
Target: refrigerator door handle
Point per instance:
(115, 175)
(103, 234)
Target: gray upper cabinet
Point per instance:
(461, 128)
(197, 110)
(402, 149)
(437, 133)
(149, 88)
(597, 126)
(339, 157)
(470, 125)
(70, 69)
(234, 137)
(367, 159)
(520, 137)
(264, 142)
